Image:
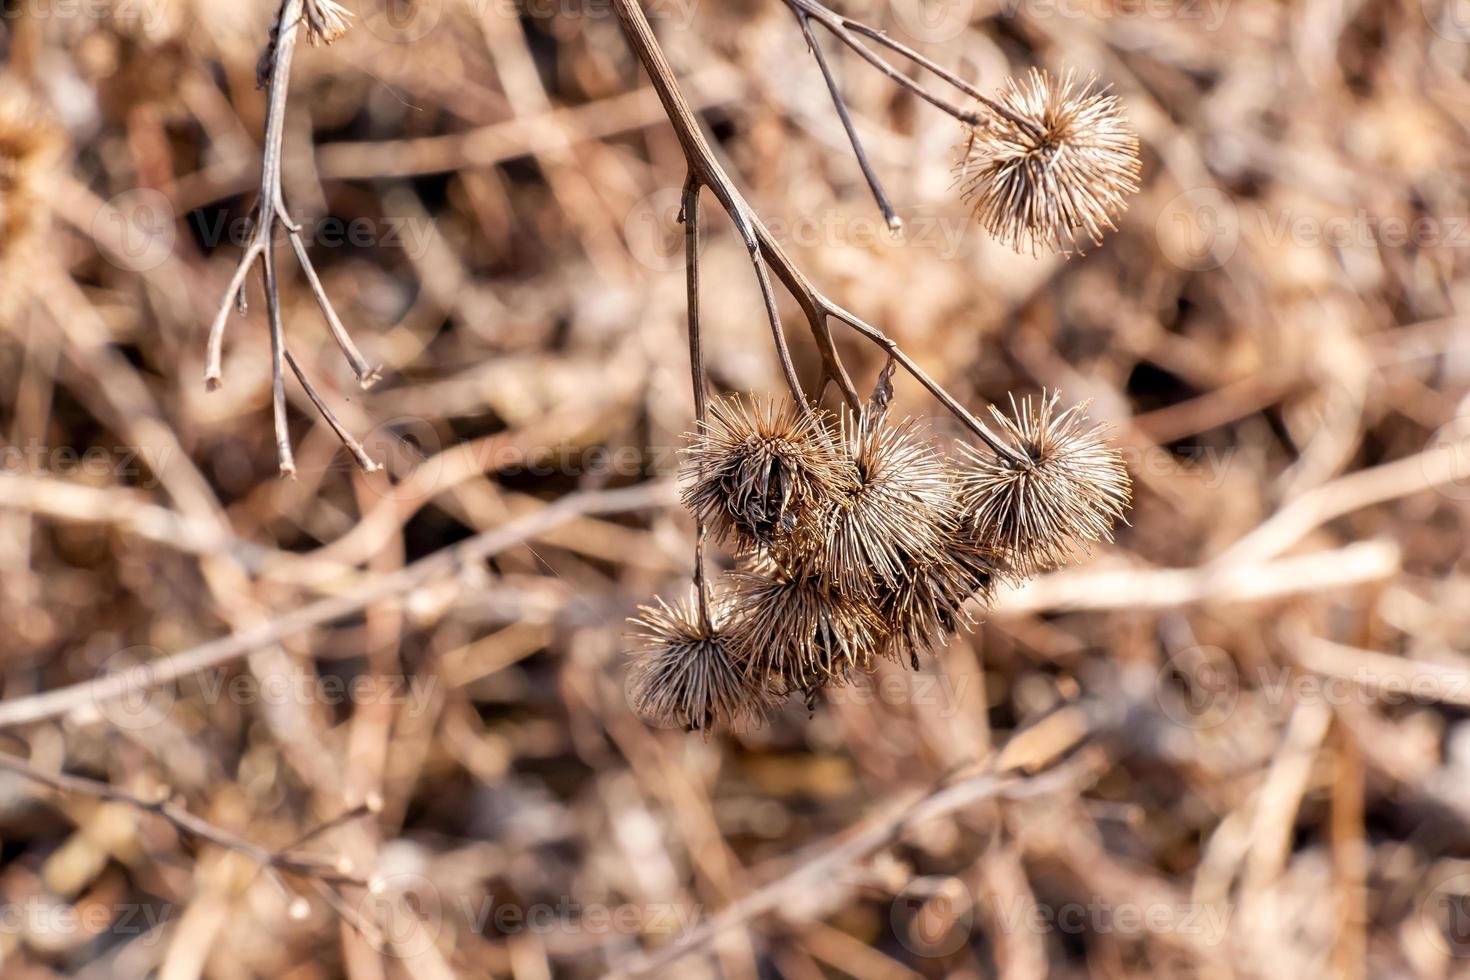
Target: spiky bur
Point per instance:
(758, 474)
(896, 513)
(923, 611)
(687, 674)
(1075, 488)
(1063, 180)
(793, 633)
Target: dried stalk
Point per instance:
(764, 250)
(269, 212)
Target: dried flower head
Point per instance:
(923, 610)
(896, 513)
(759, 473)
(1062, 177)
(326, 20)
(687, 675)
(794, 633)
(1073, 490)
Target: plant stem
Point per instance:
(818, 308)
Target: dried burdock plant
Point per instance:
(895, 515)
(760, 472)
(687, 675)
(1070, 492)
(1061, 179)
(794, 633)
(856, 541)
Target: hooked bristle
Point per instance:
(794, 633)
(895, 515)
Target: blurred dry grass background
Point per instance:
(1233, 745)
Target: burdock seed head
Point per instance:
(1060, 178)
(923, 610)
(793, 633)
(895, 515)
(758, 474)
(687, 674)
(1071, 494)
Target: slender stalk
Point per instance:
(689, 214)
(817, 307)
(844, 28)
(270, 210)
(879, 195)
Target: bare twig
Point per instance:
(846, 30)
(270, 211)
(689, 215)
(309, 866)
(50, 704)
(764, 248)
(879, 195)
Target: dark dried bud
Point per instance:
(759, 474)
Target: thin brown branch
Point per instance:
(307, 866)
(845, 29)
(689, 214)
(765, 249)
(269, 212)
(880, 196)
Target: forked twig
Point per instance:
(269, 212)
(765, 250)
(846, 30)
